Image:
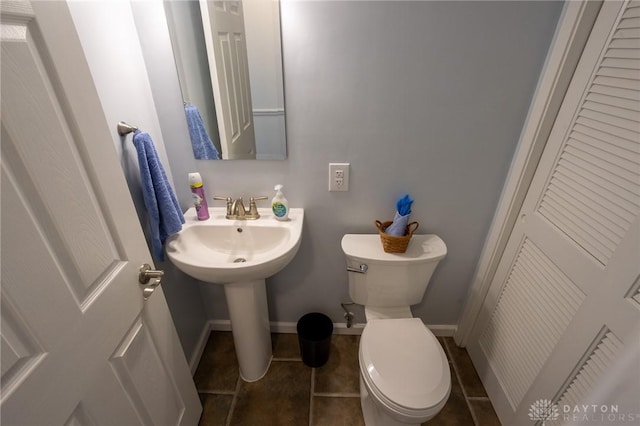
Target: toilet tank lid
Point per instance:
(421, 249)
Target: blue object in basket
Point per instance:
(404, 205)
(401, 219)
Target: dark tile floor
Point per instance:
(292, 394)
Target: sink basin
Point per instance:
(225, 251)
(240, 255)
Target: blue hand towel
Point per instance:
(203, 148)
(165, 215)
(401, 219)
(404, 205)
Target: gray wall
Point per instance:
(427, 98)
(114, 53)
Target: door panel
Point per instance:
(520, 337)
(558, 314)
(139, 368)
(71, 249)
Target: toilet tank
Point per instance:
(391, 279)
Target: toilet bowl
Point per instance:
(404, 372)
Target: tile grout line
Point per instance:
(464, 393)
(215, 392)
(232, 407)
(337, 394)
(311, 391)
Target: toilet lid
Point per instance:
(404, 363)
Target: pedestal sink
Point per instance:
(239, 254)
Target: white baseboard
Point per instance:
(292, 328)
(444, 330)
(220, 325)
(199, 349)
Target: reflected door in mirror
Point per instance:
(231, 49)
(227, 52)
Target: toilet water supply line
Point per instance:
(347, 315)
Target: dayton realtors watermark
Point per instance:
(594, 413)
(549, 413)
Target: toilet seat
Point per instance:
(404, 367)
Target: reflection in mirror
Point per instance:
(229, 60)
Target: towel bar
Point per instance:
(124, 128)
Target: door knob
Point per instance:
(146, 273)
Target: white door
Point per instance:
(79, 344)
(226, 42)
(565, 299)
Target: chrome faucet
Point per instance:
(237, 211)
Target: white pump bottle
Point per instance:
(280, 205)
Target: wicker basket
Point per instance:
(391, 243)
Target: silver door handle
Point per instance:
(361, 270)
(146, 273)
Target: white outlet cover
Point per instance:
(338, 177)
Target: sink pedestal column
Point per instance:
(249, 314)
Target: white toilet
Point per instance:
(404, 372)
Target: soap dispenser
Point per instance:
(280, 205)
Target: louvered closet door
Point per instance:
(564, 303)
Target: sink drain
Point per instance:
(240, 260)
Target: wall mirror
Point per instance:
(229, 60)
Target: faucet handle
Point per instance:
(253, 210)
(228, 200)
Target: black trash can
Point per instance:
(314, 336)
